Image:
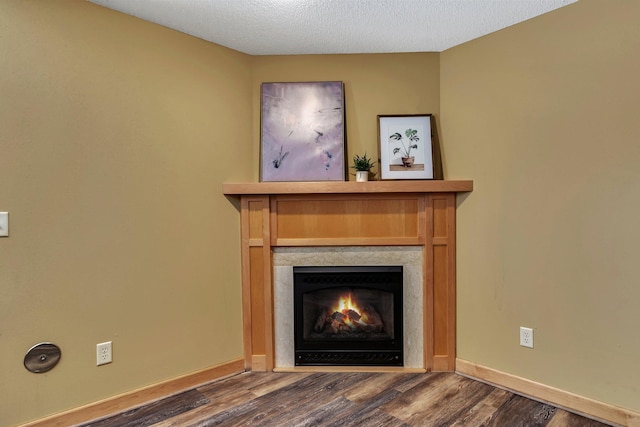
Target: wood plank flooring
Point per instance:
(263, 399)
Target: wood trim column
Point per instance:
(440, 284)
(257, 298)
(427, 274)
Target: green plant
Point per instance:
(412, 136)
(362, 163)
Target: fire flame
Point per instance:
(346, 303)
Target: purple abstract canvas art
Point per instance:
(302, 131)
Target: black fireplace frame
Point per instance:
(383, 352)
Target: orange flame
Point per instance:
(346, 303)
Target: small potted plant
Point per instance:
(405, 150)
(363, 166)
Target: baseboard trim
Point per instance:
(259, 363)
(561, 398)
(139, 397)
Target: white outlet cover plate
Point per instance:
(4, 224)
(526, 337)
(103, 353)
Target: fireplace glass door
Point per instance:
(348, 315)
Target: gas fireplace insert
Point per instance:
(348, 315)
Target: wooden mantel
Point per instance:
(331, 213)
(341, 187)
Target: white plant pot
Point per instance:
(362, 176)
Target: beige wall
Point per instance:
(374, 84)
(544, 117)
(115, 138)
(118, 131)
(115, 133)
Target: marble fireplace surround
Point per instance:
(410, 257)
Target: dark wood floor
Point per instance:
(347, 399)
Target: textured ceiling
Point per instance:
(290, 27)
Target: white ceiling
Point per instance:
(291, 27)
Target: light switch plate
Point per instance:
(4, 224)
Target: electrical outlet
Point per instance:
(526, 337)
(4, 224)
(103, 353)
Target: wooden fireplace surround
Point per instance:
(377, 213)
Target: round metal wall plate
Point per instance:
(42, 357)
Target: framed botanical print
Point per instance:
(406, 147)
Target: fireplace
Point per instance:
(342, 223)
(348, 315)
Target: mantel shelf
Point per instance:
(347, 187)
